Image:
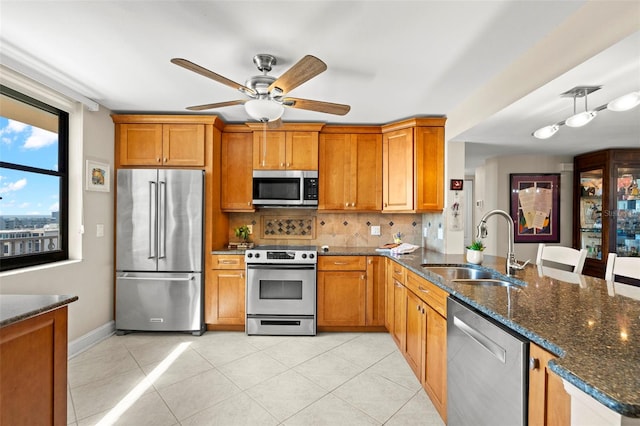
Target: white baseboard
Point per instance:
(90, 339)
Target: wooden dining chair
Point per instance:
(570, 257)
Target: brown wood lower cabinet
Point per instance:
(549, 403)
(225, 292)
(350, 291)
(33, 370)
(416, 318)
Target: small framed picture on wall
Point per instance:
(457, 184)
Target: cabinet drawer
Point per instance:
(227, 261)
(398, 272)
(433, 295)
(342, 263)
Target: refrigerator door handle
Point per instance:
(153, 224)
(162, 213)
(135, 278)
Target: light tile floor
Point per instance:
(228, 378)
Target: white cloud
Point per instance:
(16, 126)
(24, 205)
(54, 207)
(13, 186)
(40, 138)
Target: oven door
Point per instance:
(281, 289)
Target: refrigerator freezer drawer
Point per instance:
(159, 302)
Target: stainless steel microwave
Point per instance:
(285, 188)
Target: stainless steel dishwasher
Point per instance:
(486, 370)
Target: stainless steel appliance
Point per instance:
(159, 232)
(285, 188)
(281, 290)
(486, 370)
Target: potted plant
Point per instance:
(243, 233)
(474, 252)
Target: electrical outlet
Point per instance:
(375, 230)
(99, 230)
(440, 233)
(250, 229)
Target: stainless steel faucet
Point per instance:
(512, 264)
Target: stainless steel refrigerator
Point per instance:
(159, 238)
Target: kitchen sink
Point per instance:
(486, 282)
(467, 275)
(453, 273)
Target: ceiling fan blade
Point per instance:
(215, 105)
(305, 69)
(274, 124)
(212, 75)
(328, 107)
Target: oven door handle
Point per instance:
(281, 267)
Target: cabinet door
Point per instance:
(366, 172)
(140, 144)
(301, 151)
(397, 170)
(375, 303)
(549, 403)
(389, 292)
(399, 314)
(415, 327)
(269, 152)
(341, 298)
(429, 157)
(183, 145)
(334, 173)
(224, 297)
(237, 172)
(435, 370)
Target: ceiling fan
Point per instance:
(266, 93)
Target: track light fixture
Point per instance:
(579, 119)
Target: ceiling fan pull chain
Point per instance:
(264, 142)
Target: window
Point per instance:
(33, 181)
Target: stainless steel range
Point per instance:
(281, 290)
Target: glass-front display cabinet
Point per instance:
(606, 210)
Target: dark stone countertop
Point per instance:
(19, 307)
(595, 333)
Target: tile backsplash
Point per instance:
(311, 227)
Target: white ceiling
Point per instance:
(389, 60)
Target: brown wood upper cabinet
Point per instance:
(350, 172)
(237, 172)
(280, 150)
(413, 165)
(161, 144)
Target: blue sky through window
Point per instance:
(25, 193)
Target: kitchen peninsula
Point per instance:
(33, 355)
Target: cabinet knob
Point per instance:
(418, 308)
(385, 204)
(159, 159)
(346, 204)
(281, 164)
(363, 277)
(248, 203)
(288, 164)
(165, 159)
(423, 311)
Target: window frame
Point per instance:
(34, 259)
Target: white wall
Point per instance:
(493, 190)
(90, 276)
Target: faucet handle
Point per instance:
(519, 266)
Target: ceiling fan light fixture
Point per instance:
(263, 109)
(580, 119)
(625, 102)
(546, 132)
